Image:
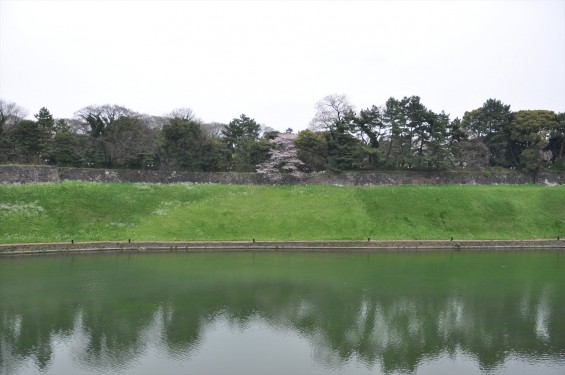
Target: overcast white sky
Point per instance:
(273, 60)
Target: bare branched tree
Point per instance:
(100, 117)
(76, 125)
(329, 110)
(267, 131)
(154, 122)
(213, 130)
(128, 138)
(108, 113)
(183, 114)
(10, 113)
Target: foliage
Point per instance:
(491, 118)
(129, 143)
(65, 150)
(489, 124)
(556, 143)
(240, 130)
(241, 136)
(45, 120)
(529, 133)
(216, 156)
(100, 117)
(472, 154)
(27, 142)
(182, 144)
(401, 134)
(418, 137)
(345, 152)
(312, 150)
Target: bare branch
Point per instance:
(330, 109)
(183, 114)
(10, 113)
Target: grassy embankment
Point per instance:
(95, 211)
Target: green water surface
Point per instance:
(284, 313)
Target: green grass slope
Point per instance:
(100, 211)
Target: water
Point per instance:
(284, 313)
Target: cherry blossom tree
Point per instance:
(283, 160)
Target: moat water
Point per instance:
(488, 312)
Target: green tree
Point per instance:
(240, 130)
(119, 137)
(65, 150)
(27, 142)
(312, 150)
(241, 136)
(437, 153)
(456, 137)
(182, 145)
(369, 124)
(216, 156)
(491, 118)
(418, 127)
(471, 153)
(529, 133)
(260, 151)
(100, 117)
(399, 147)
(345, 152)
(93, 152)
(556, 144)
(45, 120)
(489, 123)
(410, 124)
(130, 143)
(336, 117)
(61, 125)
(46, 123)
(369, 127)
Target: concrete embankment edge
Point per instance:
(270, 246)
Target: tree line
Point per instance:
(401, 134)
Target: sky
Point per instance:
(274, 60)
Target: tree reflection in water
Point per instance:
(390, 310)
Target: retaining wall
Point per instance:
(31, 174)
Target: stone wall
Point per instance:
(30, 174)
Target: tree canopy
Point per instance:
(402, 133)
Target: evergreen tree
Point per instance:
(241, 136)
(182, 145)
(312, 150)
(27, 142)
(489, 124)
(45, 120)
